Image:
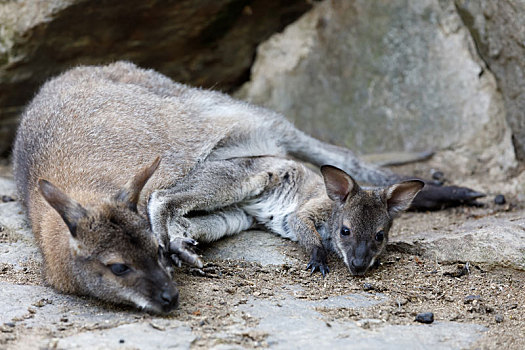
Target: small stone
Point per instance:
(438, 175)
(367, 287)
(121, 341)
(498, 318)
(6, 199)
(425, 317)
(469, 299)
(9, 324)
(500, 199)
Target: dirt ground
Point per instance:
(460, 292)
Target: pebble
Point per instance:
(6, 199)
(425, 317)
(469, 299)
(500, 199)
(367, 287)
(498, 318)
(121, 341)
(438, 175)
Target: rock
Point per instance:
(201, 42)
(367, 287)
(280, 323)
(6, 199)
(255, 246)
(438, 175)
(137, 336)
(498, 27)
(352, 72)
(491, 241)
(498, 318)
(425, 317)
(469, 299)
(500, 199)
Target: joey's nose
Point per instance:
(359, 266)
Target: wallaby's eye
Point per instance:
(380, 236)
(345, 231)
(119, 269)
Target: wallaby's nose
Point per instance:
(169, 298)
(359, 266)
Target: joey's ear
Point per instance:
(70, 210)
(339, 185)
(400, 196)
(131, 192)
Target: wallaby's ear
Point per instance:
(339, 185)
(400, 196)
(131, 192)
(70, 210)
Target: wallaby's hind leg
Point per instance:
(218, 224)
(207, 228)
(210, 187)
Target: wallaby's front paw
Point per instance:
(318, 261)
(181, 250)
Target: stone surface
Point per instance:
(205, 42)
(20, 248)
(352, 72)
(492, 241)
(255, 246)
(136, 336)
(498, 27)
(292, 324)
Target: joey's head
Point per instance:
(361, 218)
(113, 253)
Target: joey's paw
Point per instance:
(318, 262)
(182, 250)
(433, 197)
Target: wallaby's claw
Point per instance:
(318, 262)
(433, 197)
(314, 266)
(181, 250)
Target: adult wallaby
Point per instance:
(88, 131)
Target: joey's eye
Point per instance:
(380, 236)
(345, 231)
(119, 269)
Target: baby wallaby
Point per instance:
(225, 197)
(88, 131)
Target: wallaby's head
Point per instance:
(362, 218)
(113, 252)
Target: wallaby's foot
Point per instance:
(433, 197)
(182, 250)
(179, 226)
(318, 261)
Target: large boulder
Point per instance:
(201, 42)
(381, 76)
(498, 27)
